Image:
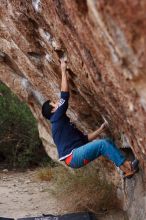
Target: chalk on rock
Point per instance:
(125, 141)
(38, 97)
(46, 36)
(2, 56)
(36, 4)
(26, 84)
(56, 45)
(48, 57)
(36, 94)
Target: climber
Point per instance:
(75, 148)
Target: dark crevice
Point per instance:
(55, 69)
(2, 56)
(13, 65)
(32, 22)
(30, 30)
(72, 85)
(82, 7)
(36, 54)
(63, 15)
(36, 59)
(128, 153)
(72, 75)
(92, 64)
(86, 75)
(60, 53)
(74, 92)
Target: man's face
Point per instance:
(55, 105)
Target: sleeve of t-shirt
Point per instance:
(85, 137)
(62, 106)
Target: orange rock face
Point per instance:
(106, 45)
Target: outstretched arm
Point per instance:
(94, 135)
(64, 81)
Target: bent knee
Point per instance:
(103, 142)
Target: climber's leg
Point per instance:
(92, 150)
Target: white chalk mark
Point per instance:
(2, 54)
(25, 83)
(48, 57)
(143, 103)
(38, 97)
(46, 36)
(29, 88)
(37, 5)
(55, 44)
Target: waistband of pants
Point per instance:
(68, 159)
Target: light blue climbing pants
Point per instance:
(92, 150)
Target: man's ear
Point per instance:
(53, 110)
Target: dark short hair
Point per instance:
(46, 110)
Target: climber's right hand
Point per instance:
(104, 125)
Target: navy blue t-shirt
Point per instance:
(65, 134)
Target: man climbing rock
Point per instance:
(75, 148)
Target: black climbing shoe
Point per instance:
(134, 165)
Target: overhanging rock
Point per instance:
(106, 45)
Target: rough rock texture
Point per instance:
(106, 45)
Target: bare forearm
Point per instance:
(94, 135)
(64, 82)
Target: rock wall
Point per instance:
(106, 45)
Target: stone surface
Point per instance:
(106, 46)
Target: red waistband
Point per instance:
(68, 159)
